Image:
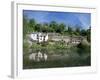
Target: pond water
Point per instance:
(55, 58)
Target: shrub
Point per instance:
(26, 47)
(83, 47)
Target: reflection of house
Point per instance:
(40, 37)
(38, 56)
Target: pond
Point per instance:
(56, 58)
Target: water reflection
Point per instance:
(42, 56)
(38, 56)
(55, 58)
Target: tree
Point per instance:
(78, 30)
(83, 32)
(61, 28)
(54, 26)
(83, 47)
(28, 25)
(38, 27)
(25, 25)
(45, 28)
(31, 25)
(89, 35)
(70, 31)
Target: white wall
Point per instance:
(5, 42)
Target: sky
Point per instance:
(82, 20)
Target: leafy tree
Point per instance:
(54, 26)
(61, 28)
(28, 25)
(89, 35)
(25, 25)
(32, 24)
(45, 27)
(38, 27)
(83, 32)
(83, 47)
(70, 31)
(78, 30)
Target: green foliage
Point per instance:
(69, 29)
(25, 26)
(60, 28)
(54, 25)
(78, 30)
(32, 23)
(89, 35)
(83, 47)
(45, 28)
(83, 32)
(86, 33)
(38, 27)
(26, 47)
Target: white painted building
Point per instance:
(40, 37)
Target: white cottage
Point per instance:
(40, 37)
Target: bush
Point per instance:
(83, 47)
(44, 43)
(26, 47)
